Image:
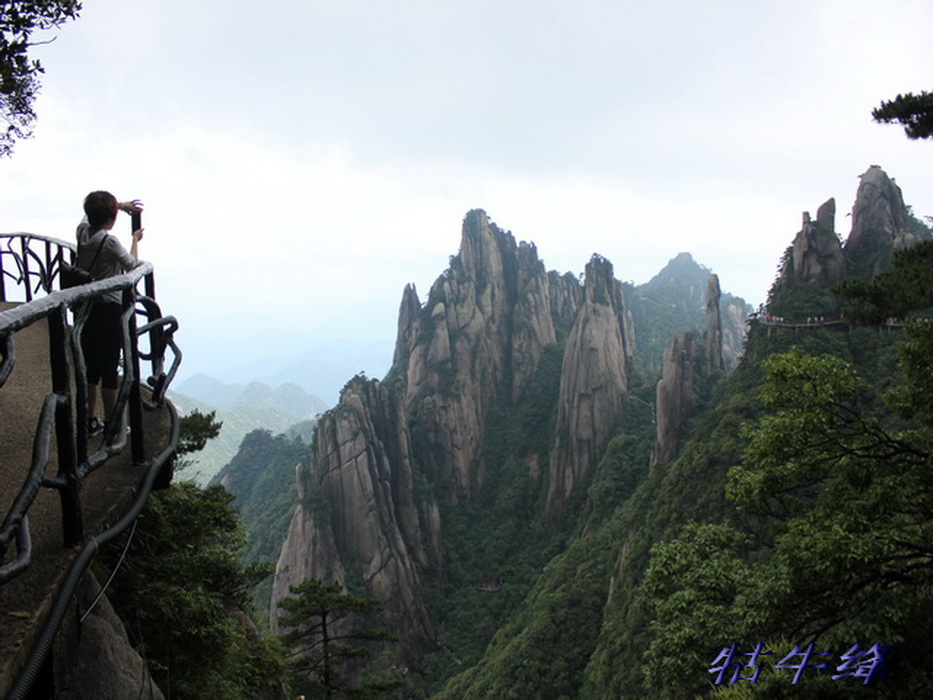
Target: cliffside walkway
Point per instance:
(55, 520)
(814, 322)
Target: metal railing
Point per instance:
(31, 265)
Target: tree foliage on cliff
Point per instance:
(895, 293)
(262, 477)
(327, 633)
(182, 591)
(783, 557)
(834, 544)
(19, 75)
(543, 651)
(196, 429)
(914, 112)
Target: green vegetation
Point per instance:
(796, 512)
(328, 633)
(261, 476)
(272, 410)
(533, 632)
(197, 429)
(829, 541)
(186, 587)
(895, 293)
(832, 546)
(496, 545)
(543, 651)
(667, 305)
(19, 76)
(672, 302)
(182, 593)
(913, 112)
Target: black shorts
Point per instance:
(102, 341)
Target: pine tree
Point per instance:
(914, 112)
(328, 632)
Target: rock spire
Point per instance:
(593, 383)
(881, 224)
(686, 360)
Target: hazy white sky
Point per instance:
(301, 162)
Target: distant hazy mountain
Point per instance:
(673, 300)
(214, 392)
(242, 408)
(320, 369)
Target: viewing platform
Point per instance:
(64, 494)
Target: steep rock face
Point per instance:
(390, 453)
(713, 325)
(310, 548)
(408, 313)
(593, 383)
(532, 321)
(359, 498)
(94, 658)
(487, 321)
(685, 361)
(675, 396)
(826, 214)
(478, 339)
(880, 224)
(734, 312)
(816, 259)
(566, 295)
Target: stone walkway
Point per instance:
(106, 495)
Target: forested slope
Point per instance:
(462, 489)
(795, 514)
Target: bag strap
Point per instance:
(94, 259)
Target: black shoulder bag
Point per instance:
(74, 276)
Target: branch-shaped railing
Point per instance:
(31, 265)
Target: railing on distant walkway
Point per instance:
(31, 265)
(821, 321)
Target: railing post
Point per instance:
(156, 338)
(80, 367)
(72, 519)
(48, 267)
(2, 279)
(150, 286)
(137, 441)
(25, 258)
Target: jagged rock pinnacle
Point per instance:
(593, 383)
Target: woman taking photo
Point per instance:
(103, 256)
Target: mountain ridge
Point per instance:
(241, 408)
(475, 349)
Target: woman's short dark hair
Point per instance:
(101, 209)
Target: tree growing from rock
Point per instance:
(195, 430)
(183, 593)
(328, 632)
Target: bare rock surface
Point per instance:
(593, 383)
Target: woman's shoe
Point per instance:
(94, 426)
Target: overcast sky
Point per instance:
(301, 161)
